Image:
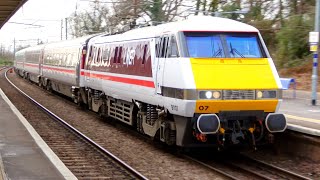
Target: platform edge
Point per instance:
(61, 167)
(305, 130)
(2, 172)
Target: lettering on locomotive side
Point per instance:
(132, 58)
(174, 108)
(130, 54)
(106, 56)
(102, 55)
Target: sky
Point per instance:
(45, 17)
(40, 20)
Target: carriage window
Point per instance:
(119, 56)
(98, 56)
(115, 58)
(74, 59)
(69, 60)
(90, 51)
(64, 60)
(90, 54)
(56, 59)
(106, 54)
(144, 54)
(157, 49)
(60, 59)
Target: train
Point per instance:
(200, 82)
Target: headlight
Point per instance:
(266, 94)
(216, 94)
(209, 94)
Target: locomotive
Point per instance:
(204, 81)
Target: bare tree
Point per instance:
(94, 20)
(127, 12)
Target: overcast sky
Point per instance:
(40, 20)
(46, 17)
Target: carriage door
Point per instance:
(161, 55)
(41, 60)
(87, 64)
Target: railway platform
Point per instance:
(23, 153)
(301, 115)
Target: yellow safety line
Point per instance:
(303, 118)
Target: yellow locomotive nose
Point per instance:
(233, 73)
(234, 84)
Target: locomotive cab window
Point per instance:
(173, 48)
(162, 47)
(243, 46)
(228, 45)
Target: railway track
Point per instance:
(233, 169)
(2, 68)
(152, 159)
(239, 166)
(84, 157)
(265, 170)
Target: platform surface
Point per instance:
(300, 112)
(21, 157)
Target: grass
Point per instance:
(5, 62)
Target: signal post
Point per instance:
(314, 43)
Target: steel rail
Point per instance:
(249, 171)
(100, 148)
(2, 68)
(254, 173)
(271, 166)
(211, 167)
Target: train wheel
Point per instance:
(39, 82)
(48, 86)
(103, 111)
(80, 102)
(44, 85)
(89, 100)
(28, 78)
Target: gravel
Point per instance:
(141, 154)
(149, 158)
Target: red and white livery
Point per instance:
(204, 81)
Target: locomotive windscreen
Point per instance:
(224, 45)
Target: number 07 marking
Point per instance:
(203, 108)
